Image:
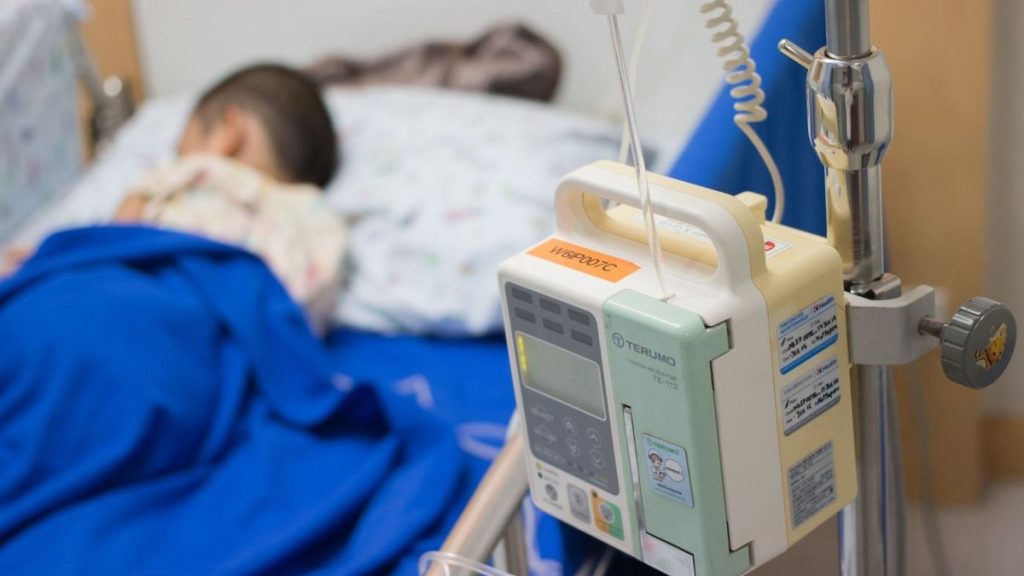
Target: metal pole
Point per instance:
(491, 509)
(851, 130)
(872, 529)
(854, 201)
(847, 28)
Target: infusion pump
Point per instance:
(703, 431)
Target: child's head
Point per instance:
(269, 117)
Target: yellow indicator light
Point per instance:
(522, 352)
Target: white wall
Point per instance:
(1006, 196)
(186, 44)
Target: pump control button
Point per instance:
(549, 455)
(577, 497)
(578, 503)
(569, 426)
(594, 438)
(597, 459)
(551, 492)
(541, 412)
(574, 447)
(579, 317)
(545, 434)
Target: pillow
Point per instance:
(438, 187)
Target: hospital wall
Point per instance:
(183, 45)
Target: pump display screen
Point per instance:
(560, 374)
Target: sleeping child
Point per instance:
(258, 148)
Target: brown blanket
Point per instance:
(510, 60)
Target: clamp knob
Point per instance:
(977, 343)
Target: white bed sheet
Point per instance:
(438, 188)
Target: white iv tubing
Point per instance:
(653, 241)
(635, 51)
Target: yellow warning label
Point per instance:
(584, 260)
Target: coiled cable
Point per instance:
(741, 74)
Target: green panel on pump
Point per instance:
(660, 364)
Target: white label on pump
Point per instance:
(807, 333)
(810, 395)
(772, 246)
(666, 557)
(812, 484)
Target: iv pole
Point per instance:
(849, 91)
(872, 530)
(849, 104)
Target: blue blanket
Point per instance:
(164, 409)
(466, 382)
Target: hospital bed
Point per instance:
(422, 202)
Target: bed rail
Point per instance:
(492, 514)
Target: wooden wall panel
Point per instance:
(1004, 436)
(935, 181)
(110, 36)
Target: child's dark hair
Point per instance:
(289, 104)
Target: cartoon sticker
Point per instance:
(992, 354)
(667, 470)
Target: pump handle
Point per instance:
(728, 223)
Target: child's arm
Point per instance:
(12, 258)
(131, 209)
